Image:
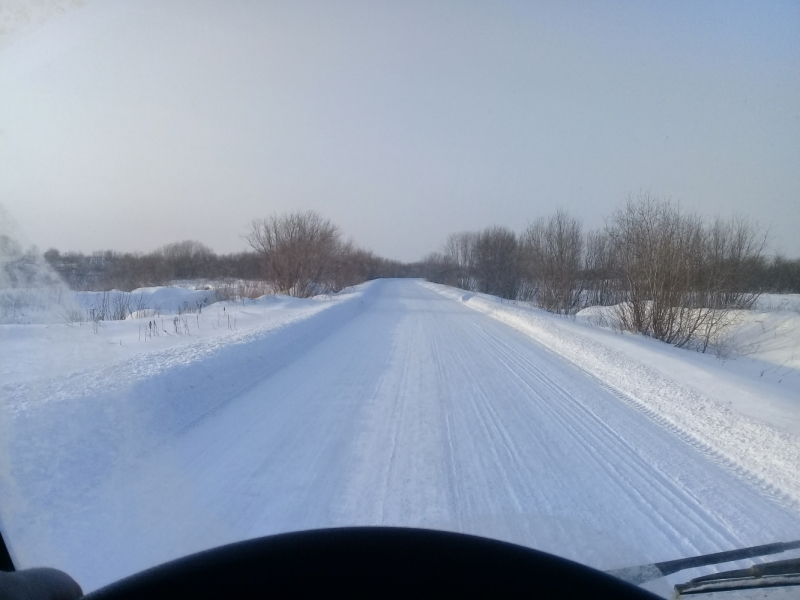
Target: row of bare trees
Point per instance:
(303, 254)
(678, 277)
(126, 271)
(551, 254)
(544, 264)
(484, 261)
(299, 253)
(668, 274)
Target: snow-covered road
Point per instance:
(399, 407)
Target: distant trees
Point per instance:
(485, 261)
(302, 254)
(126, 271)
(298, 253)
(600, 277)
(544, 264)
(496, 262)
(109, 270)
(187, 259)
(668, 274)
(350, 266)
(780, 275)
(460, 254)
(436, 267)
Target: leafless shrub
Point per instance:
(226, 291)
(600, 319)
(251, 289)
(137, 304)
(101, 310)
(496, 262)
(680, 278)
(74, 315)
(349, 266)
(120, 306)
(600, 277)
(241, 290)
(296, 249)
(186, 259)
(551, 253)
(459, 251)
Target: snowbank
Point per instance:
(147, 301)
(770, 332)
(86, 409)
(161, 318)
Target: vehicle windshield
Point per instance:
(524, 270)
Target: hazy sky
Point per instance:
(127, 124)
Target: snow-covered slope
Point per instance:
(63, 339)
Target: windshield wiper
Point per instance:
(779, 573)
(644, 573)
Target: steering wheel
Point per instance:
(370, 561)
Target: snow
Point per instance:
(397, 403)
(157, 299)
(51, 344)
(758, 377)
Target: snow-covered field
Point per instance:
(397, 403)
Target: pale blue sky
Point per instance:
(127, 124)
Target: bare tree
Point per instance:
(296, 249)
(652, 242)
(349, 266)
(600, 284)
(732, 258)
(187, 259)
(779, 275)
(681, 279)
(551, 253)
(496, 268)
(459, 250)
(436, 267)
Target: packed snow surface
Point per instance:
(398, 403)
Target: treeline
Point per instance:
(107, 270)
(299, 254)
(668, 274)
(303, 254)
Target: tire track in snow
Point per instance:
(578, 416)
(572, 417)
(669, 486)
(583, 424)
(482, 413)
